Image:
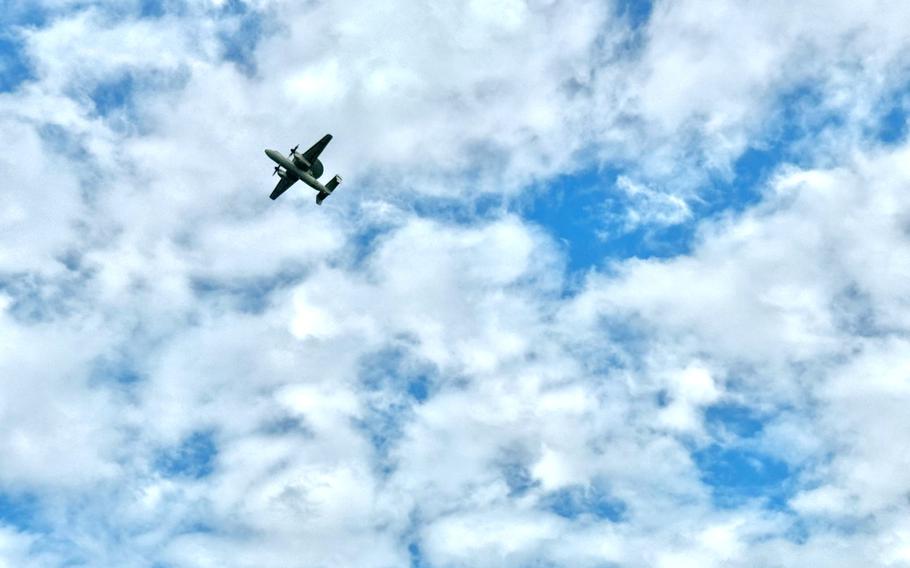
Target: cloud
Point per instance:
(31, 206)
(798, 306)
(649, 207)
(196, 376)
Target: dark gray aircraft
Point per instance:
(305, 167)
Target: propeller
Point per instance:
(276, 170)
(294, 149)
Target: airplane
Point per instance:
(306, 167)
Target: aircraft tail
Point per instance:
(330, 186)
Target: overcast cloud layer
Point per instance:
(606, 284)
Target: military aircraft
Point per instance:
(306, 167)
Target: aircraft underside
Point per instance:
(305, 167)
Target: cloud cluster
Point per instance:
(192, 376)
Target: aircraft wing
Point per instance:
(317, 148)
(283, 185)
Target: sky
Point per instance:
(608, 284)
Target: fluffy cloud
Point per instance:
(195, 376)
(797, 302)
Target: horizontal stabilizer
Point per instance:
(330, 187)
(333, 183)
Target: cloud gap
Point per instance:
(14, 64)
(21, 511)
(242, 31)
(585, 501)
(736, 475)
(193, 458)
(394, 383)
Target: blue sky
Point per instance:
(606, 284)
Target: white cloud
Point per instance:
(438, 385)
(649, 207)
(56, 433)
(41, 206)
(496, 539)
(708, 83)
(797, 297)
(16, 550)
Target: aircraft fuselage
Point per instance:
(306, 167)
(299, 169)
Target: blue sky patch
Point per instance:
(415, 556)
(586, 213)
(751, 171)
(736, 475)
(194, 457)
(456, 211)
(572, 210)
(855, 314)
(284, 425)
(19, 511)
(243, 31)
(382, 425)
(892, 127)
(363, 243)
(36, 299)
(517, 475)
(61, 141)
(114, 97)
(31, 14)
(585, 210)
(114, 94)
(801, 118)
(14, 65)
(151, 8)
(733, 419)
(117, 369)
(396, 371)
(393, 382)
(419, 387)
(638, 12)
(589, 501)
(246, 295)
